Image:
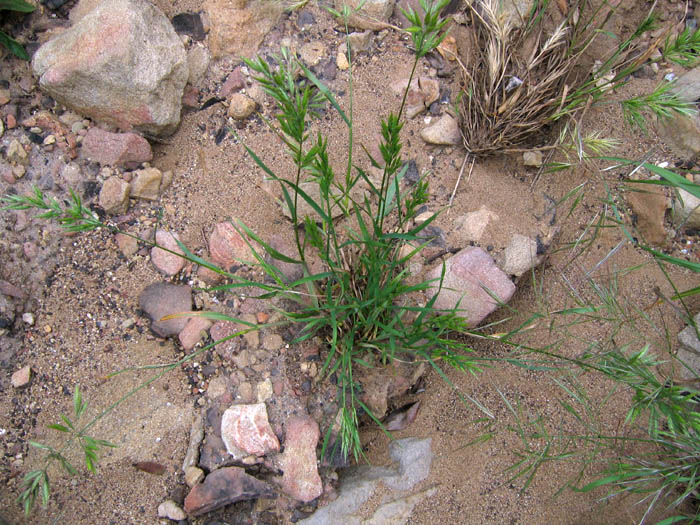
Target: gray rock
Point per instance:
(114, 196)
(161, 299)
(686, 208)
(471, 226)
(222, 487)
(357, 485)
(520, 255)
(444, 132)
(683, 133)
(398, 511)
(468, 275)
(689, 351)
(122, 64)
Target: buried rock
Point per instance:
(161, 299)
(224, 486)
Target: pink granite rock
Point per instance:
(301, 479)
(227, 247)
(468, 275)
(247, 428)
(127, 150)
(192, 333)
(167, 262)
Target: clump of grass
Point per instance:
(523, 79)
(360, 302)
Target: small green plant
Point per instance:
(6, 40)
(36, 482)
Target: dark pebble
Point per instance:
(189, 24)
(412, 176)
(46, 182)
(53, 4)
(434, 108)
(305, 18)
(306, 386)
(35, 138)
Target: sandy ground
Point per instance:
(95, 289)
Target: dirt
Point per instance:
(82, 290)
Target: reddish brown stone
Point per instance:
(127, 150)
(222, 487)
(227, 247)
(247, 428)
(301, 479)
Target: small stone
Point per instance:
(127, 245)
(146, 184)
(11, 121)
(16, 153)
(196, 438)
(195, 330)
(687, 209)
(240, 106)
(165, 261)
(234, 82)
(28, 318)
(264, 390)
(312, 53)
(532, 158)
(444, 132)
(471, 227)
(21, 377)
(169, 509)
(193, 476)
(301, 479)
(161, 299)
(222, 487)
(127, 150)
(272, 342)
(247, 428)
(71, 175)
(227, 247)
(520, 255)
(114, 196)
(341, 59)
(4, 96)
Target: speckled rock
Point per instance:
(468, 274)
(246, 427)
(122, 64)
(300, 479)
(114, 196)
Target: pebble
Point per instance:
(161, 299)
(195, 330)
(21, 377)
(444, 132)
(341, 59)
(114, 196)
(28, 318)
(301, 479)
(246, 427)
(532, 159)
(146, 184)
(240, 106)
(272, 342)
(264, 391)
(126, 244)
(169, 509)
(193, 476)
(312, 53)
(166, 262)
(16, 153)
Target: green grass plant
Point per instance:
(19, 6)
